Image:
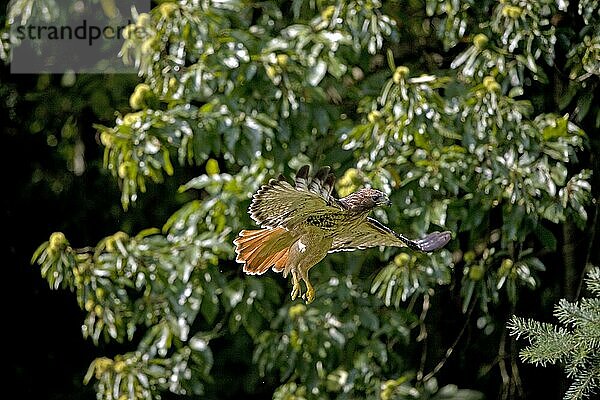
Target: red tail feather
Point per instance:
(261, 249)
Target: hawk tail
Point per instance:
(261, 249)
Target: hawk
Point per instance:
(300, 224)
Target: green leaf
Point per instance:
(317, 73)
(546, 237)
(584, 103)
(167, 162)
(513, 218)
(368, 319)
(38, 252)
(210, 307)
(559, 129)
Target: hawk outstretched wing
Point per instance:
(280, 204)
(372, 233)
(301, 223)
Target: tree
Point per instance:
(576, 343)
(442, 105)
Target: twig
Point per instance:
(423, 336)
(440, 364)
(502, 365)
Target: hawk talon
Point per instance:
(296, 289)
(309, 296)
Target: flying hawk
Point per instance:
(302, 223)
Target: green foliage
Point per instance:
(574, 343)
(457, 127)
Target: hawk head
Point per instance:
(365, 200)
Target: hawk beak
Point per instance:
(385, 202)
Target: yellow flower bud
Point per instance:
(351, 174)
(172, 84)
(295, 340)
(98, 310)
(402, 259)
(373, 116)
(131, 118)
(513, 12)
(166, 9)
(212, 167)
(110, 244)
(490, 84)
(148, 45)
(469, 256)
(476, 273)
(349, 182)
(296, 311)
(143, 19)
(400, 73)
(119, 366)
(480, 41)
(106, 139)
(120, 236)
(141, 93)
(136, 101)
(57, 241)
(506, 266)
(386, 394)
(102, 365)
(271, 71)
(282, 59)
(123, 170)
(327, 12)
(89, 305)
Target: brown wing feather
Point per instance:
(278, 203)
(372, 233)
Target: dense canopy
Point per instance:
(480, 118)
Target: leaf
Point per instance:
(368, 319)
(559, 174)
(321, 120)
(38, 252)
(317, 73)
(253, 322)
(531, 63)
(469, 294)
(210, 307)
(336, 68)
(583, 105)
(553, 213)
(430, 7)
(568, 96)
(513, 218)
(167, 162)
(546, 237)
(559, 129)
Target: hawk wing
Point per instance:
(278, 203)
(372, 233)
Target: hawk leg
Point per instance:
(309, 296)
(307, 251)
(296, 289)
